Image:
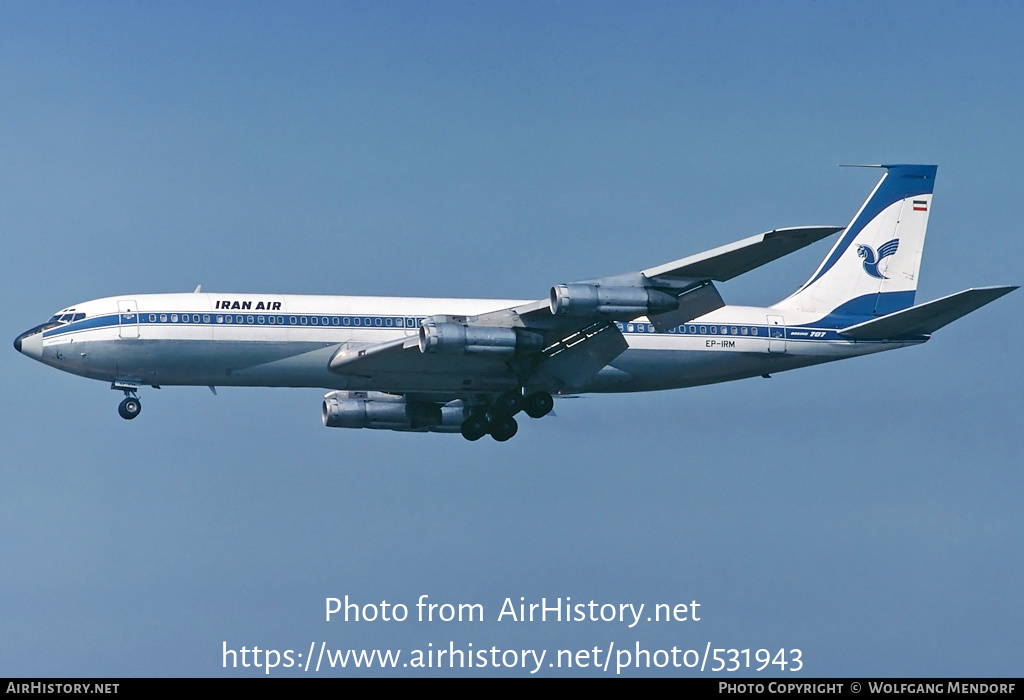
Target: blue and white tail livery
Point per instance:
(470, 366)
(873, 268)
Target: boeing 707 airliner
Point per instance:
(471, 365)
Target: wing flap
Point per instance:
(585, 354)
(696, 302)
(926, 318)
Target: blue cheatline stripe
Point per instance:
(83, 325)
(264, 320)
(823, 329)
(900, 182)
(207, 319)
(737, 330)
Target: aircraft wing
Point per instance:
(564, 340)
(564, 365)
(728, 261)
(688, 279)
(400, 362)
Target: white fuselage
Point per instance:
(206, 339)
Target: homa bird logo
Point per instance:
(871, 261)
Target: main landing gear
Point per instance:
(498, 419)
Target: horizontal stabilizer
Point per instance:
(927, 318)
(728, 261)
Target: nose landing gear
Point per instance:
(129, 408)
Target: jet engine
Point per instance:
(379, 411)
(626, 302)
(460, 339)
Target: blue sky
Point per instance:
(865, 512)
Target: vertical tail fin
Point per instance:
(873, 268)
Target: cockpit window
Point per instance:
(64, 317)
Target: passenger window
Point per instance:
(388, 322)
(152, 318)
(260, 320)
(174, 318)
(714, 330)
(753, 331)
(335, 320)
(703, 329)
(743, 330)
(314, 320)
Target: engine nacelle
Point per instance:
(625, 302)
(387, 412)
(460, 339)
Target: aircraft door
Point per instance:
(128, 318)
(776, 334)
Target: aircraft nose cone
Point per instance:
(30, 343)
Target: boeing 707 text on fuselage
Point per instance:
(472, 365)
